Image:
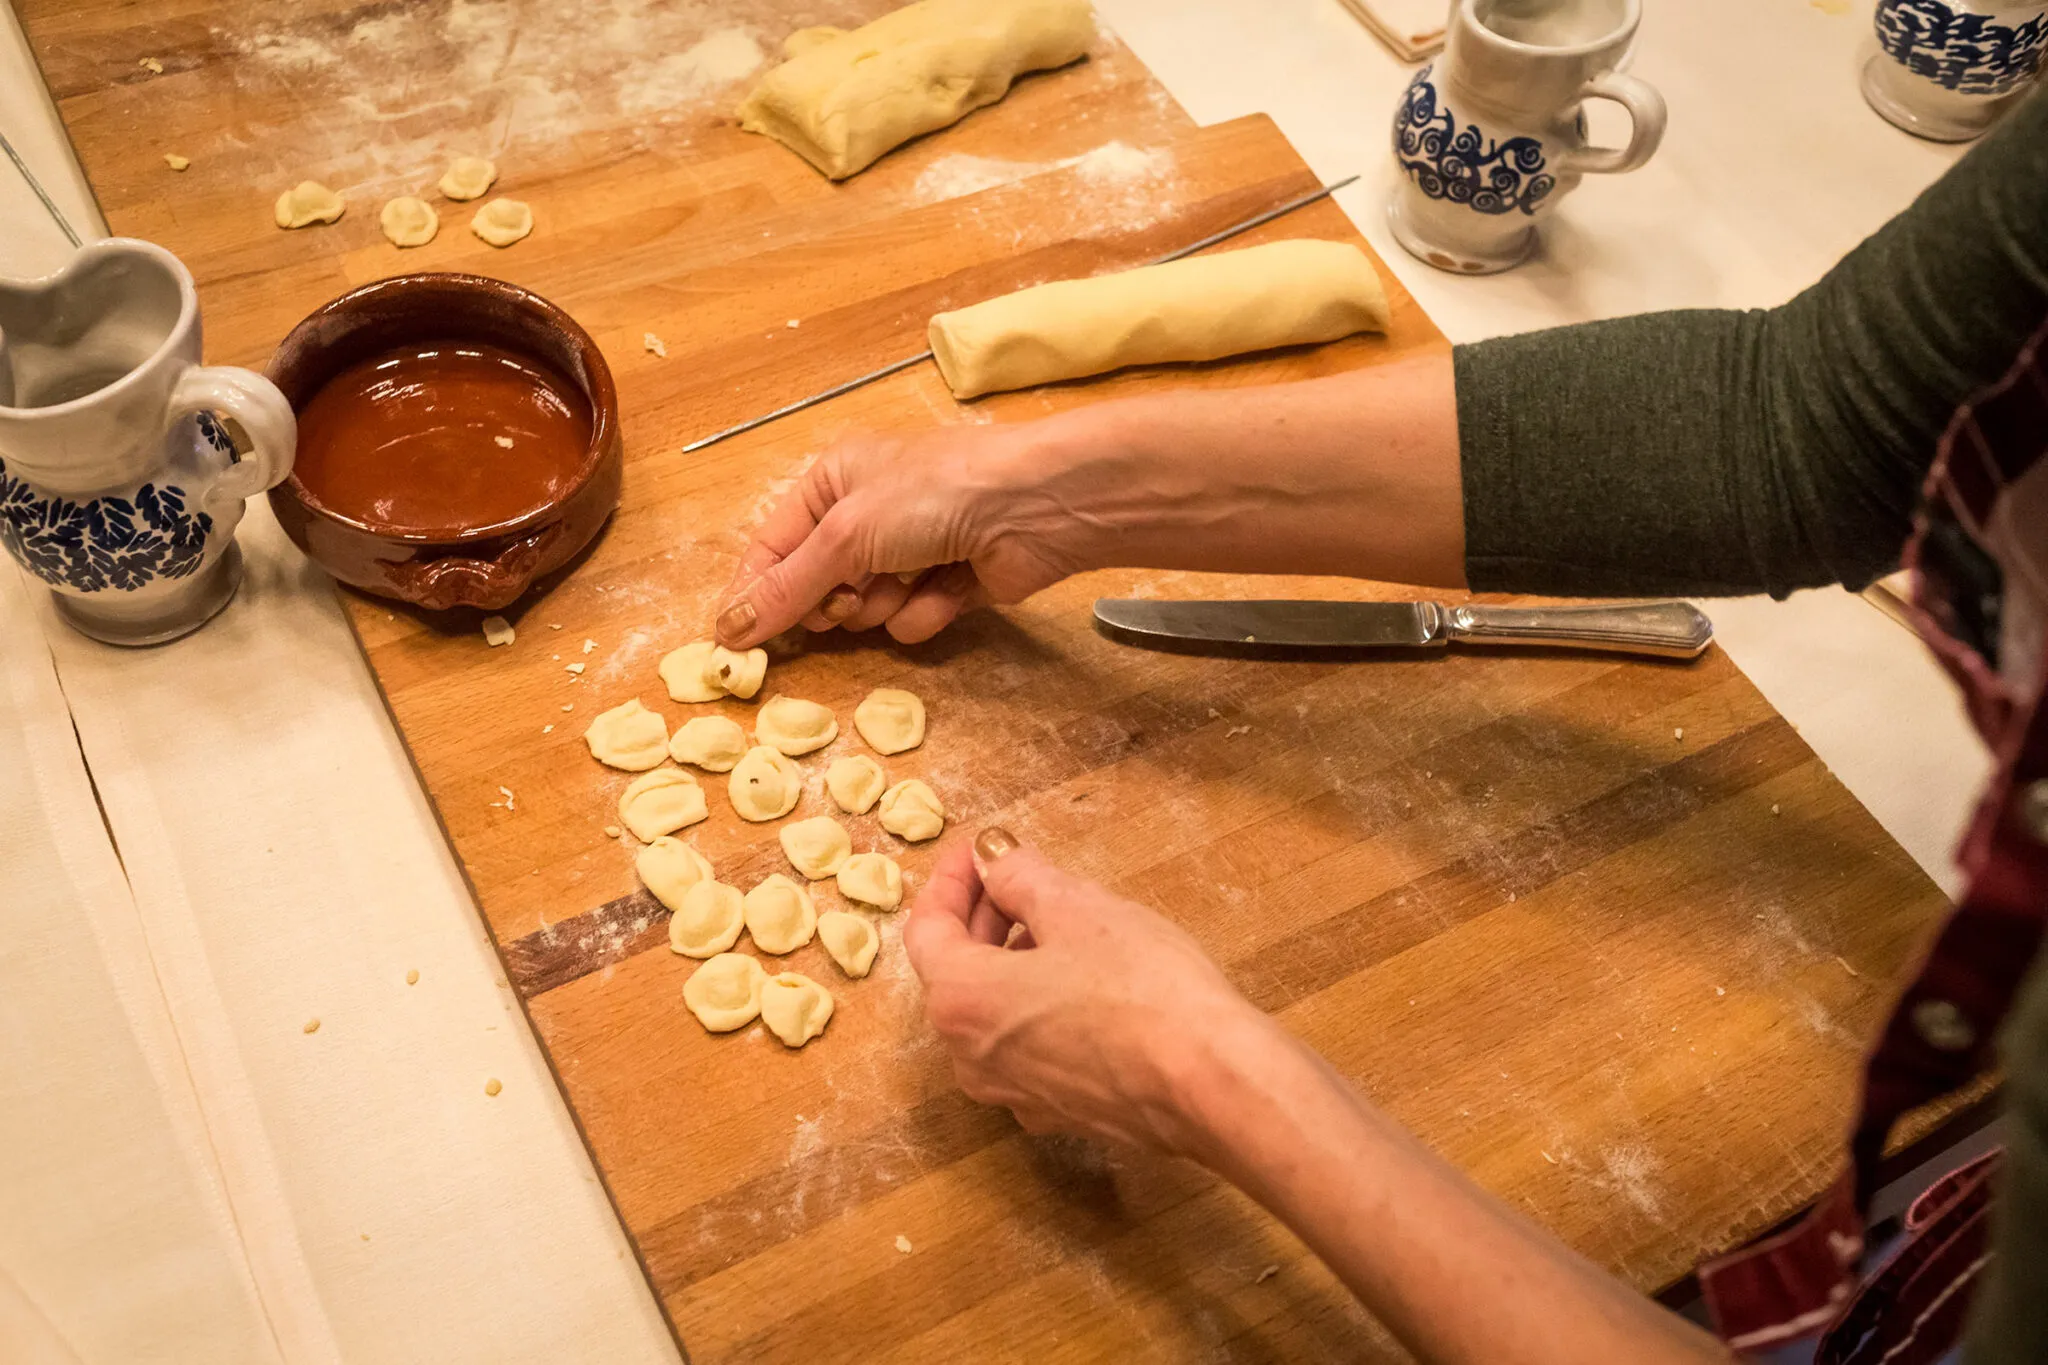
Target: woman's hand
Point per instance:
(903, 533)
(1353, 474)
(1096, 1021)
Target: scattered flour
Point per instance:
(1111, 168)
(481, 77)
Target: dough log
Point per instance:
(1202, 308)
(843, 102)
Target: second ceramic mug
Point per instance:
(1947, 69)
(1489, 137)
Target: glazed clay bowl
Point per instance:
(463, 565)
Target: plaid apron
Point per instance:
(1979, 556)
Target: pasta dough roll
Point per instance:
(1201, 308)
(843, 102)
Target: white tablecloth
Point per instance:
(185, 1174)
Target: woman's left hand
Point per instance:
(1099, 1018)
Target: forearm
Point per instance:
(1356, 474)
(1452, 1272)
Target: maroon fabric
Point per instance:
(1796, 1283)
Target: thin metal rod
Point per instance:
(863, 380)
(36, 185)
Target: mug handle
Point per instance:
(255, 403)
(1645, 110)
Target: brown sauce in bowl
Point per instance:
(437, 438)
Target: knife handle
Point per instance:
(1672, 630)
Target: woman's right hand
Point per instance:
(905, 533)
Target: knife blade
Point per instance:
(1671, 630)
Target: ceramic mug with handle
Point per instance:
(1946, 69)
(1491, 135)
(120, 484)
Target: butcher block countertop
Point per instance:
(1604, 932)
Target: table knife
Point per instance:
(1671, 630)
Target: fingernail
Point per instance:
(735, 621)
(993, 842)
(839, 604)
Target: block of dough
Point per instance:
(850, 939)
(1202, 308)
(738, 671)
(683, 672)
(708, 921)
(780, 915)
(661, 802)
(794, 726)
(817, 847)
(725, 993)
(712, 743)
(628, 736)
(794, 1007)
(764, 785)
(669, 868)
(872, 879)
(855, 782)
(911, 810)
(890, 720)
(843, 102)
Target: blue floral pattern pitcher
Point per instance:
(1491, 136)
(120, 485)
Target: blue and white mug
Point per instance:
(1490, 137)
(119, 484)
(1946, 69)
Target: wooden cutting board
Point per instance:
(1606, 933)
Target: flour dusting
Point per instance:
(482, 77)
(1115, 186)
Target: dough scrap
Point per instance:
(736, 671)
(668, 867)
(409, 222)
(764, 785)
(502, 221)
(794, 726)
(712, 743)
(780, 915)
(661, 802)
(683, 671)
(890, 720)
(843, 102)
(850, 939)
(309, 201)
(912, 811)
(176, 162)
(708, 921)
(804, 39)
(629, 737)
(795, 1008)
(855, 782)
(817, 847)
(467, 177)
(725, 993)
(1202, 308)
(872, 879)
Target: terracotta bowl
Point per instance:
(487, 567)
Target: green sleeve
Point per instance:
(2009, 1317)
(1719, 452)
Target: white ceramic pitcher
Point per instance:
(120, 485)
(1491, 135)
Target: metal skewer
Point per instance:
(892, 367)
(42, 194)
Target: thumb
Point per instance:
(1023, 885)
(787, 591)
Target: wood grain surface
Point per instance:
(1606, 933)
